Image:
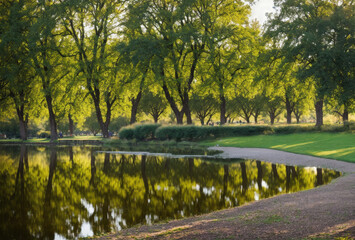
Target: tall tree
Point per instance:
(17, 76)
(314, 34)
(93, 26)
(231, 53)
(46, 52)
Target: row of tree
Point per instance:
(71, 56)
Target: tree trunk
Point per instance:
(156, 119)
(23, 121)
(178, 114)
(222, 109)
(202, 120)
(272, 117)
(256, 118)
(298, 118)
(135, 103)
(345, 116)
(103, 125)
(289, 111)
(71, 125)
(247, 119)
(319, 113)
(186, 109)
(52, 121)
(179, 118)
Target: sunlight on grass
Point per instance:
(337, 152)
(340, 146)
(285, 146)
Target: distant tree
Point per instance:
(153, 104)
(93, 27)
(91, 124)
(204, 107)
(274, 108)
(258, 103)
(46, 53)
(118, 123)
(17, 76)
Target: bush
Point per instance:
(45, 134)
(188, 133)
(194, 132)
(139, 132)
(145, 131)
(126, 133)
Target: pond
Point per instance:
(71, 192)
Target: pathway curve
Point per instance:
(326, 212)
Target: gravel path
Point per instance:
(326, 212)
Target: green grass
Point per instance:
(340, 146)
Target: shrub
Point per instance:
(139, 132)
(145, 131)
(44, 134)
(195, 132)
(126, 133)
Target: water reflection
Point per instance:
(67, 192)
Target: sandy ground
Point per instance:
(326, 212)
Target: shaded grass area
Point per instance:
(340, 146)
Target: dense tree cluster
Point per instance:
(96, 60)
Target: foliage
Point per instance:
(153, 104)
(91, 124)
(139, 132)
(10, 128)
(118, 123)
(204, 107)
(318, 35)
(196, 132)
(126, 133)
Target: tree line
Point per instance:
(104, 58)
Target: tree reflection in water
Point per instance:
(77, 191)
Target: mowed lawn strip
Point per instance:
(340, 146)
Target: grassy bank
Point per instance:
(340, 146)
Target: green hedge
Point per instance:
(201, 132)
(139, 132)
(126, 133)
(188, 133)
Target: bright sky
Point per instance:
(260, 9)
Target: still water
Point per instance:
(71, 192)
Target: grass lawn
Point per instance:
(340, 146)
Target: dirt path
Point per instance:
(327, 212)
